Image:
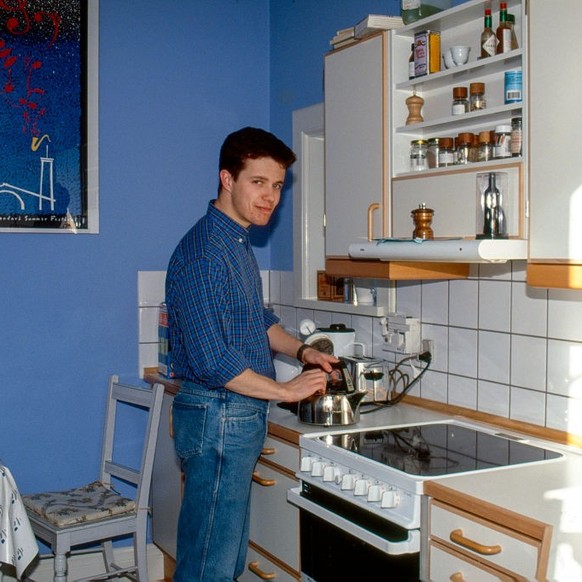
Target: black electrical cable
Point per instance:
(396, 376)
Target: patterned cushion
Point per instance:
(87, 503)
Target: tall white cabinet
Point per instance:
(555, 177)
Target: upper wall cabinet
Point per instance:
(356, 144)
(555, 179)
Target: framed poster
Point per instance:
(49, 116)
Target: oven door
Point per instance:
(340, 541)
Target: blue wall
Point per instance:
(175, 78)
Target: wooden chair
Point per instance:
(96, 512)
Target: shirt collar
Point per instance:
(227, 225)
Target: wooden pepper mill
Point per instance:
(414, 104)
(422, 217)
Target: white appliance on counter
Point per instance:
(360, 491)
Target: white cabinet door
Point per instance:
(555, 128)
(356, 167)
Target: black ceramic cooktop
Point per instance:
(439, 449)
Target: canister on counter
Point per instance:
(427, 53)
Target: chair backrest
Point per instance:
(138, 474)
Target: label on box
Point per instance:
(427, 52)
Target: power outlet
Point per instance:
(428, 346)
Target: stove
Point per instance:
(383, 470)
(360, 490)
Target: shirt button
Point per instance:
(241, 240)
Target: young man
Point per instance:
(222, 341)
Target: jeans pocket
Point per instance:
(188, 420)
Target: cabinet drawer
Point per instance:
(281, 453)
(475, 536)
(259, 567)
(274, 521)
(447, 565)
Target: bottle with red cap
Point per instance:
(488, 38)
(504, 30)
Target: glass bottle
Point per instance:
(477, 96)
(511, 20)
(411, 62)
(503, 32)
(493, 215)
(488, 38)
(460, 101)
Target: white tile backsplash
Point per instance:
(500, 346)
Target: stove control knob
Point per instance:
(375, 493)
(362, 486)
(307, 464)
(348, 481)
(390, 499)
(331, 472)
(317, 469)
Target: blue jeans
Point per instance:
(218, 435)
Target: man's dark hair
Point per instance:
(253, 143)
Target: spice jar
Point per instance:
(464, 145)
(515, 140)
(502, 140)
(446, 151)
(474, 152)
(433, 152)
(418, 155)
(485, 147)
(477, 96)
(460, 101)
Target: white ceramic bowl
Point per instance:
(460, 54)
(448, 60)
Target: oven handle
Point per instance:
(409, 546)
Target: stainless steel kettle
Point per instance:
(338, 405)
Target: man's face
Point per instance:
(254, 195)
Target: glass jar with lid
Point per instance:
(464, 146)
(460, 101)
(446, 152)
(433, 152)
(418, 155)
(485, 146)
(477, 96)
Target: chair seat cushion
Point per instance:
(87, 503)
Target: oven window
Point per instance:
(329, 554)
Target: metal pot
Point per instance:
(338, 405)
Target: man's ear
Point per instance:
(226, 180)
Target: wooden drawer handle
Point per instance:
(262, 481)
(254, 568)
(458, 538)
(371, 209)
(457, 577)
(268, 451)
